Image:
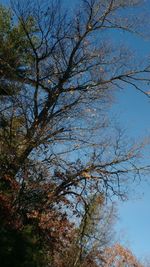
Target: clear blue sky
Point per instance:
(133, 112)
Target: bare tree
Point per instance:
(62, 82)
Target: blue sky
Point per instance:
(132, 110)
(133, 228)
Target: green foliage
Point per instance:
(20, 249)
(14, 48)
